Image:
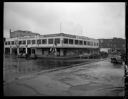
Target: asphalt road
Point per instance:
(95, 79)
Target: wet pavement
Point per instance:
(17, 67)
(100, 78)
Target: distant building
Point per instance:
(112, 44)
(20, 33)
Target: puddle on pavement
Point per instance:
(29, 66)
(102, 72)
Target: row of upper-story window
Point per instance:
(79, 42)
(38, 41)
(54, 41)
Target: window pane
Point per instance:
(70, 41)
(50, 41)
(39, 41)
(20, 42)
(65, 41)
(28, 41)
(81, 42)
(44, 41)
(97, 44)
(88, 43)
(24, 42)
(5, 43)
(91, 43)
(8, 43)
(57, 40)
(33, 41)
(94, 44)
(12, 42)
(33, 51)
(85, 43)
(76, 42)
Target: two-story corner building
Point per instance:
(61, 43)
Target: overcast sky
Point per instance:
(96, 20)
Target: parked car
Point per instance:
(22, 55)
(116, 59)
(123, 56)
(103, 54)
(94, 56)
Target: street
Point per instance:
(99, 78)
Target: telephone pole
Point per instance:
(60, 27)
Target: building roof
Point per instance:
(23, 34)
(26, 32)
(67, 35)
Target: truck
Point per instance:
(118, 58)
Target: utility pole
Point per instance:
(17, 45)
(60, 27)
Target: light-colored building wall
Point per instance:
(62, 45)
(51, 45)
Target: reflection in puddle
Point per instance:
(22, 65)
